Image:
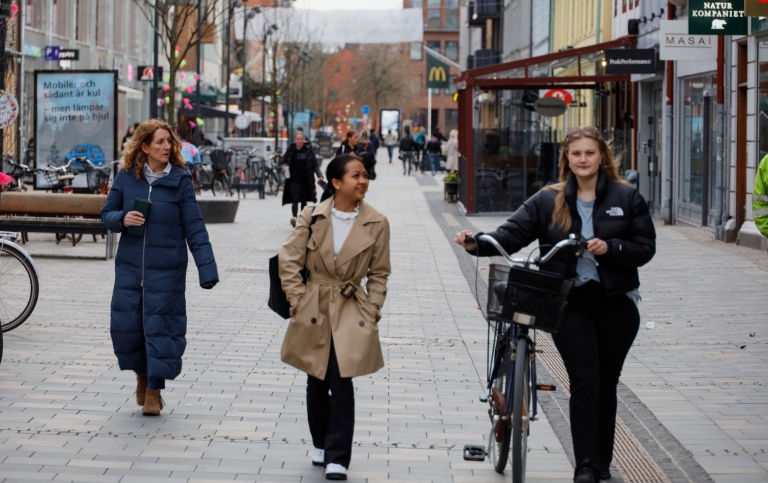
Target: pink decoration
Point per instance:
(189, 89)
(196, 77)
(161, 102)
(166, 88)
(185, 100)
(192, 125)
(14, 10)
(352, 102)
(182, 76)
(176, 48)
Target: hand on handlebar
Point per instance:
(597, 246)
(466, 239)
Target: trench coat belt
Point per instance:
(318, 279)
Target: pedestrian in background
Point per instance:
(421, 142)
(148, 310)
(452, 161)
(375, 143)
(333, 333)
(128, 134)
(390, 141)
(301, 166)
(407, 148)
(349, 144)
(760, 197)
(601, 320)
(434, 147)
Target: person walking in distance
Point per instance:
(349, 144)
(301, 166)
(148, 311)
(375, 143)
(390, 141)
(420, 141)
(407, 147)
(601, 319)
(433, 153)
(333, 333)
(452, 161)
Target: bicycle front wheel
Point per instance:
(521, 410)
(499, 439)
(19, 288)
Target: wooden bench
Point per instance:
(55, 213)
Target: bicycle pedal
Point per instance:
(474, 453)
(483, 398)
(546, 387)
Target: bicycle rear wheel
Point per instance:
(19, 288)
(501, 433)
(521, 411)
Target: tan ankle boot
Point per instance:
(153, 404)
(141, 388)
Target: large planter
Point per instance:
(217, 210)
(451, 192)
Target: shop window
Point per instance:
(762, 135)
(34, 14)
(698, 142)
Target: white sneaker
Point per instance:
(318, 457)
(335, 472)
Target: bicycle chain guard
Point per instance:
(499, 405)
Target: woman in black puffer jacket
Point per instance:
(601, 319)
(302, 167)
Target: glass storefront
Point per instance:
(697, 163)
(762, 122)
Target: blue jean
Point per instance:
(390, 150)
(433, 162)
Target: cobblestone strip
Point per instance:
(645, 450)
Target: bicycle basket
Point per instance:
(533, 298)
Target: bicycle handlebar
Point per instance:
(572, 240)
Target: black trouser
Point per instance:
(594, 340)
(332, 417)
(297, 193)
(407, 161)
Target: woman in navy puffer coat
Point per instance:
(148, 316)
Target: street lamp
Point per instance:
(267, 32)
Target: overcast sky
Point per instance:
(349, 4)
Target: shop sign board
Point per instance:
(566, 95)
(630, 61)
(717, 18)
(675, 43)
(756, 8)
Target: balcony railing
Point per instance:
(443, 18)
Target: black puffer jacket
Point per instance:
(620, 218)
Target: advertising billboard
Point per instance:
(390, 121)
(75, 116)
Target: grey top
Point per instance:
(586, 267)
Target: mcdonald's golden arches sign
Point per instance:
(438, 74)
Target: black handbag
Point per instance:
(278, 301)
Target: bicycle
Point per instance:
(19, 282)
(274, 178)
(18, 172)
(520, 301)
(221, 182)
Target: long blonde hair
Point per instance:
(561, 216)
(136, 159)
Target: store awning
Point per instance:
(215, 111)
(567, 69)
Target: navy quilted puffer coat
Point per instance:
(148, 316)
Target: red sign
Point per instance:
(566, 95)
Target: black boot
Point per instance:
(585, 472)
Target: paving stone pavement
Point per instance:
(237, 413)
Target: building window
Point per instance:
(417, 4)
(451, 120)
(60, 17)
(417, 52)
(452, 50)
(102, 23)
(452, 89)
(333, 95)
(34, 14)
(433, 14)
(82, 20)
(434, 45)
(118, 43)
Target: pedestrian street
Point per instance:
(693, 398)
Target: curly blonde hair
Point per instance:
(135, 159)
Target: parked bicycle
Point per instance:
(19, 282)
(222, 181)
(272, 174)
(17, 171)
(520, 301)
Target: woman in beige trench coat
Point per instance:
(333, 333)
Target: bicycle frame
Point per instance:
(5, 239)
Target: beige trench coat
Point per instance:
(319, 312)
